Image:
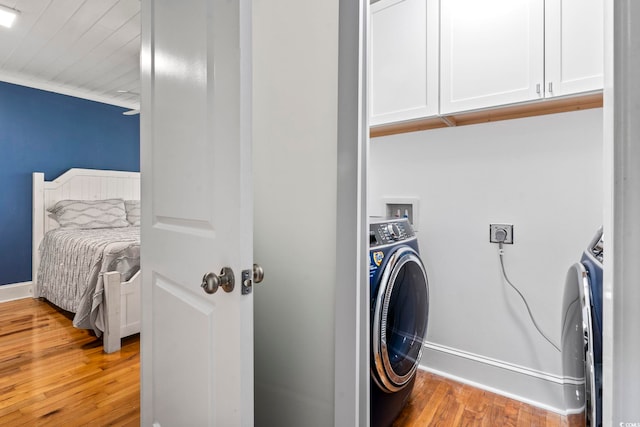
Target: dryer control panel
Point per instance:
(389, 231)
(596, 247)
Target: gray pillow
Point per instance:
(133, 211)
(83, 214)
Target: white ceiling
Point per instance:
(84, 48)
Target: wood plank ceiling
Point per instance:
(84, 48)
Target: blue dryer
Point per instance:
(399, 313)
(582, 334)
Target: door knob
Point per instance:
(249, 277)
(258, 273)
(211, 281)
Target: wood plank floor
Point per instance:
(52, 374)
(438, 401)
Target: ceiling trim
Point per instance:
(48, 86)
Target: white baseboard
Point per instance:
(16, 291)
(536, 388)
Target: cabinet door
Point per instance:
(492, 53)
(573, 46)
(404, 60)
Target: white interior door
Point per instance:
(197, 348)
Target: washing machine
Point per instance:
(582, 334)
(399, 313)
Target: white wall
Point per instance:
(295, 169)
(544, 175)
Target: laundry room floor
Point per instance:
(437, 401)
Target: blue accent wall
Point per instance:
(48, 132)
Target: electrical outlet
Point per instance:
(501, 233)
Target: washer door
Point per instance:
(577, 346)
(399, 323)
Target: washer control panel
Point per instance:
(389, 231)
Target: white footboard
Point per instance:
(122, 309)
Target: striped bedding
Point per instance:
(71, 266)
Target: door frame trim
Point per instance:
(621, 317)
(351, 369)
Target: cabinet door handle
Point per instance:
(550, 87)
(538, 88)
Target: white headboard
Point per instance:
(77, 184)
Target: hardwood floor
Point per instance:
(52, 374)
(438, 401)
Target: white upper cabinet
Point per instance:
(574, 39)
(492, 53)
(404, 60)
(499, 52)
(440, 57)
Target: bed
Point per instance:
(90, 265)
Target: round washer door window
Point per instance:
(400, 320)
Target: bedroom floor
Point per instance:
(52, 374)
